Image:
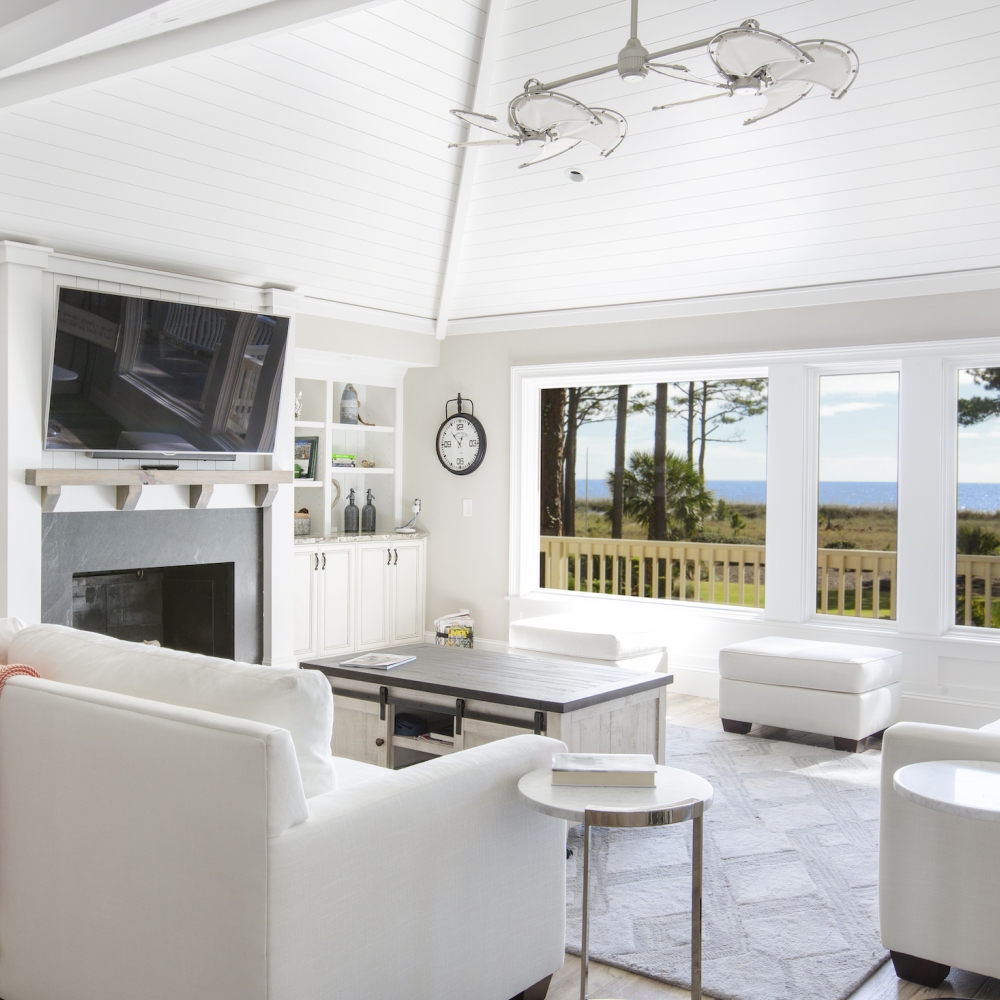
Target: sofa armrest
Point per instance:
(939, 874)
(134, 845)
(435, 882)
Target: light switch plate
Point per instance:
(467, 508)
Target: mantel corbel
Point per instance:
(129, 483)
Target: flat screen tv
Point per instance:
(132, 375)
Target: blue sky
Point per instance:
(722, 461)
(858, 428)
(979, 445)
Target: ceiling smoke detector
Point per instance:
(749, 61)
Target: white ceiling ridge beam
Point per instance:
(467, 164)
(255, 22)
(50, 24)
(908, 286)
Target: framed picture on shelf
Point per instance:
(306, 450)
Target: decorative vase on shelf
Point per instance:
(368, 515)
(350, 405)
(352, 515)
(298, 405)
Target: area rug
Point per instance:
(791, 875)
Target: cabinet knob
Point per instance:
(380, 742)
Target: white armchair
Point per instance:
(156, 851)
(939, 874)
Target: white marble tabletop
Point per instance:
(962, 787)
(673, 787)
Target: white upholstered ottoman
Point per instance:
(844, 691)
(577, 637)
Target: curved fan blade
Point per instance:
(682, 73)
(745, 50)
(780, 96)
(607, 136)
(693, 100)
(834, 66)
(486, 142)
(483, 121)
(539, 110)
(553, 148)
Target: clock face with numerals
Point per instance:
(461, 444)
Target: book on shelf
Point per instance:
(636, 770)
(441, 738)
(377, 661)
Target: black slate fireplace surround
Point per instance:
(191, 560)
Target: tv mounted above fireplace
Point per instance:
(150, 378)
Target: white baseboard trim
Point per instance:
(702, 682)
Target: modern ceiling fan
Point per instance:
(748, 60)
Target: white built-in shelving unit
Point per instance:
(376, 441)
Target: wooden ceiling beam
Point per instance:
(256, 22)
(467, 164)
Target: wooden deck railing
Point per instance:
(851, 576)
(857, 580)
(715, 574)
(977, 591)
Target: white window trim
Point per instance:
(527, 381)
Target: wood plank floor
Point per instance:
(614, 984)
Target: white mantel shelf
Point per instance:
(130, 483)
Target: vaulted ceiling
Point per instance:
(304, 144)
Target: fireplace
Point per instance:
(190, 579)
(183, 607)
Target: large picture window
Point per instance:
(655, 490)
(858, 455)
(977, 563)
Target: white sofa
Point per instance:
(155, 845)
(939, 874)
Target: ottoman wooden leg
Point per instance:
(851, 746)
(732, 726)
(919, 970)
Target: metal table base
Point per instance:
(680, 813)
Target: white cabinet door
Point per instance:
(407, 592)
(335, 602)
(304, 579)
(373, 595)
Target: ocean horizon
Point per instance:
(971, 496)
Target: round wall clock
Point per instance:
(461, 440)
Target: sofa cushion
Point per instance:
(823, 666)
(991, 727)
(8, 626)
(353, 772)
(576, 635)
(297, 700)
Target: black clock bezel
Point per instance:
(480, 430)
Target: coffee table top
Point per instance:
(674, 787)
(968, 788)
(505, 678)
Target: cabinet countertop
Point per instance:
(378, 536)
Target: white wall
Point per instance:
(948, 678)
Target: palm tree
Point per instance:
(687, 502)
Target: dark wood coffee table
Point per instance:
(490, 696)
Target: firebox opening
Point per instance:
(182, 607)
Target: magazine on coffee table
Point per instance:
(378, 661)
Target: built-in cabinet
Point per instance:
(354, 594)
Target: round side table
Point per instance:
(679, 796)
(963, 787)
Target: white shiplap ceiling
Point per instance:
(316, 157)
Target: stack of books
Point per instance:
(628, 770)
(342, 461)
